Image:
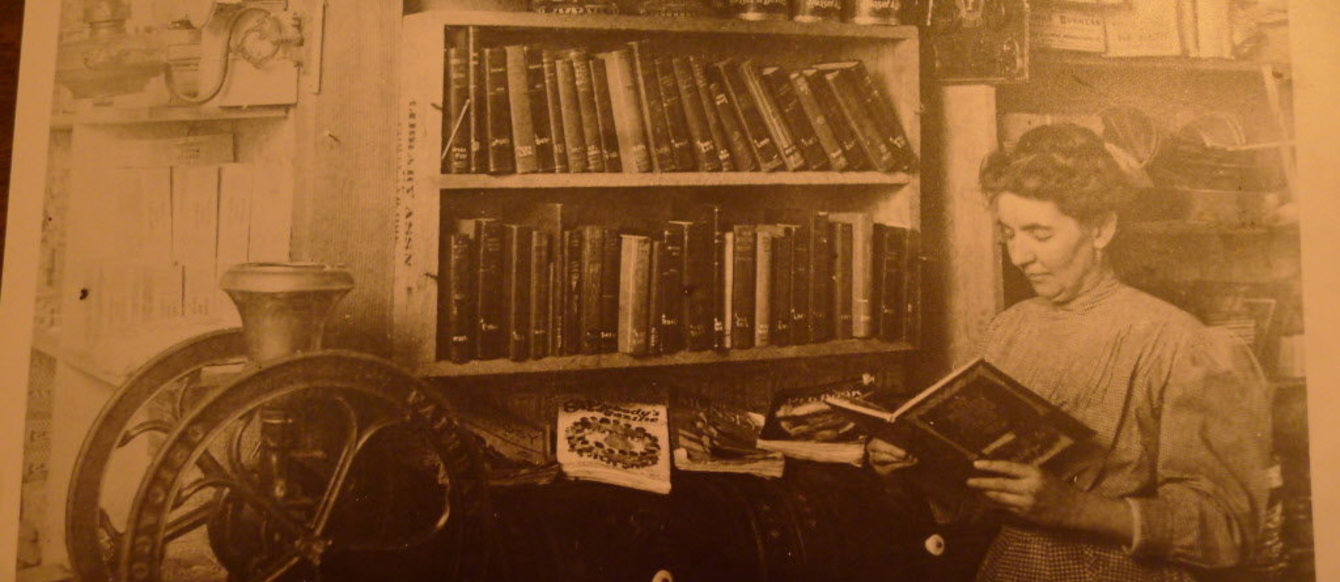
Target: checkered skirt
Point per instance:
(1030, 555)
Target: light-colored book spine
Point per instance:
(763, 285)
(863, 237)
(634, 293)
(628, 124)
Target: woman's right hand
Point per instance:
(886, 457)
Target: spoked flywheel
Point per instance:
(318, 467)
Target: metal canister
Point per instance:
(873, 11)
(759, 9)
(816, 10)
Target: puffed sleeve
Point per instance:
(1212, 407)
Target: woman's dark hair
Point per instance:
(1062, 163)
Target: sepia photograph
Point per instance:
(669, 290)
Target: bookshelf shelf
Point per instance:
(612, 361)
(668, 180)
(592, 22)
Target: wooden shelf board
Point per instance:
(114, 116)
(447, 17)
(1076, 59)
(614, 361)
(667, 180)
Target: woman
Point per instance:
(1181, 411)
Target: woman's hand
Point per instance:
(886, 458)
(1029, 492)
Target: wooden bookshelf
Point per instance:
(706, 25)
(667, 180)
(611, 361)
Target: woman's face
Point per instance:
(1057, 253)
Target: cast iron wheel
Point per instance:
(366, 477)
(170, 384)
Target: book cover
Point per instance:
(700, 137)
(516, 289)
(519, 110)
(912, 288)
(458, 95)
(593, 272)
(843, 131)
(781, 287)
(766, 151)
(702, 262)
(609, 291)
(890, 246)
(609, 133)
(744, 285)
(498, 111)
(975, 412)
(655, 123)
(734, 139)
(655, 296)
(634, 294)
(541, 127)
(763, 283)
(714, 438)
(862, 259)
(539, 279)
(621, 443)
(681, 144)
(490, 339)
(716, 131)
(573, 292)
(672, 307)
(455, 310)
(628, 125)
(778, 83)
(843, 265)
(554, 107)
(586, 104)
(820, 284)
(574, 135)
(476, 124)
(726, 301)
(801, 425)
(772, 117)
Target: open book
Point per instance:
(976, 412)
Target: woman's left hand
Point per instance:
(1027, 491)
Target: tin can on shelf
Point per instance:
(759, 9)
(883, 12)
(816, 10)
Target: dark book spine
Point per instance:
(634, 294)
(783, 252)
(655, 297)
(886, 117)
(627, 111)
(704, 149)
(609, 133)
(586, 101)
(574, 134)
(714, 128)
(821, 278)
(743, 286)
(573, 290)
(458, 92)
(751, 119)
(519, 110)
(490, 340)
(912, 288)
(655, 122)
(539, 111)
(609, 292)
(539, 295)
(671, 310)
(501, 156)
(681, 144)
(516, 289)
(868, 135)
(843, 132)
(593, 245)
(477, 118)
(802, 271)
(818, 120)
(736, 142)
(887, 292)
(554, 105)
(772, 117)
(778, 83)
(842, 279)
(456, 314)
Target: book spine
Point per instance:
(802, 274)
(539, 111)
(751, 119)
(519, 109)
(736, 142)
(772, 117)
(821, 278)
(627, 112)
(672, 309)
(681, 144)
(726, 300)
(516, 289)
(912, 288)
(634, 293)
(653, 108)
(842, 279)
(823, 131)
(695, 297)
(554, 108)
(763, 288)
(609, 134)
(714, 128)
(490, 340)
(744, 286)
(890, 244)
(574, 135)
(655, 296)
(456, 308)
(862, 226)
(586, 101)
(609, 292)
(868, 135)
(783, 252)
(458, 91)
(593, 244)
(574, 289)
(704, 149)
(478, 116)
(539, 276)
(886, 117)
(501, 155)
(843, 132)
(793, 116)
(722, 266)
